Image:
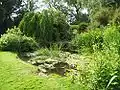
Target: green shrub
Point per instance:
(116, 17)
(28, 44)
(83, 27)
(14, 40)
(47, 27)
(96, 39)
(102, 68)
(88, 40)
(112, 38)
(74, 27)
(102, 17)
(105, 64)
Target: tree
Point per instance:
(111, 3)
(30, 5)
(7, 8)
(47, 27)
(71, 8)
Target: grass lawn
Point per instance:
(18, 75)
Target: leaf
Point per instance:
(111, 81)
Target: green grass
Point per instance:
(18, 75)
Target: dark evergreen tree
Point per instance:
(7, 9)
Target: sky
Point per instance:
(84, 11)
(41, 5)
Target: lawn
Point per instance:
(15, 74)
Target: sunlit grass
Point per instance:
(18, 75)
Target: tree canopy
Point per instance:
(12, 11)
(7, 8)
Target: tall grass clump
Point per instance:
(53, 51)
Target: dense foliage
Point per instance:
(103, 69)
(14, 40)
(88, 40)
(9, 8)
(47, 27)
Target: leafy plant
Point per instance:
(116, 17)
(47, 27)
(83, 27)
(111, 80)
(14, 40)
(88, 40)
(103, 16)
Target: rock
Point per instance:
(40, 62)
(41, 66)
(43, 70)
(61, 71)
(61, 64)
(57, 67)
(47, 66)
(42, 74)
(50, 61)
(73, 66)
(34, 63)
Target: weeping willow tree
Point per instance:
(47, 27)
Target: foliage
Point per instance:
(89, 40)
(51, 52)
(14, 40)
(101, 12)
(30, 5)
(116, 17)
(103, 69)
(47, 27)
(71, 8)
(112, 38)
(74, 29)
(9, 8)
(96, 39)
(83, 27)
(103, 16)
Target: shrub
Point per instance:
(112, 38)
(47, 27)
(102, 68)
(74, 27)
(14, 40)
(102, 17)
(116, 17)
(83, 27)
(88, 40)
(104, 65)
